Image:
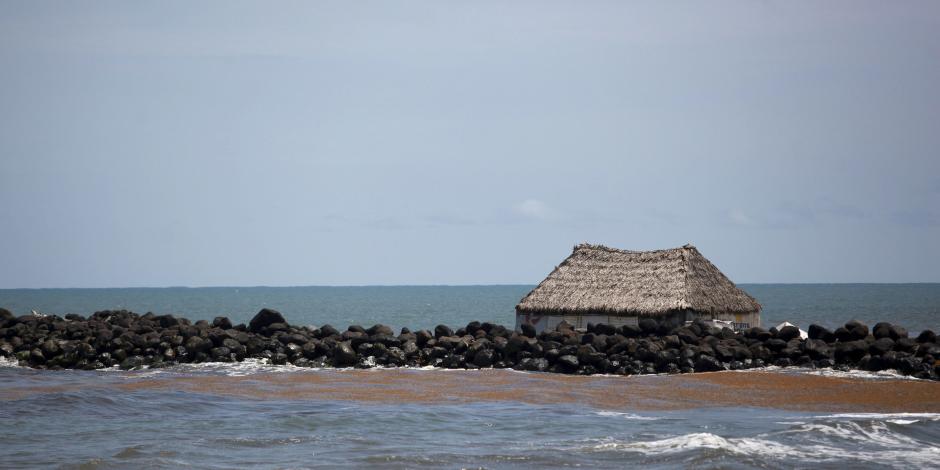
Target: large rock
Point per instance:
(264, 318)
(527, 330)
(857, 329)
(483, 358)
(927, 336)
(568, 363)
(648, 325)
(708, 364)
(881, 346)
(821, 332)
(442, 331)
(788, 332)
(344, 355)
(6, 317)
(851, 351)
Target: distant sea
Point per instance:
(914, 306)
(257, 415)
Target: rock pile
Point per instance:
(128, 340)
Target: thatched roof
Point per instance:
(607, 280)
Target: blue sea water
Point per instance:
(914, 306)
(257, 415)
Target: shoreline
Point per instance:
(132, 341)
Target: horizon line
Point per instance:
(424, 285)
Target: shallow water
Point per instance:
(226, 416)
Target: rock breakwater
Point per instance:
(129, 340)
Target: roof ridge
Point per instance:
(593, 246)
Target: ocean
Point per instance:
(260, 415)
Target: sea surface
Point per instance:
(914, 306)
(258, 415)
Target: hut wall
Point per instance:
(742, 321)
(543, 322)
(550, 321)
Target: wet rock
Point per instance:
(568, 363)
(483, 358)
(708, 364)
(344, 355)
(133, 362)
(220, 353)
(783, 362)
(264, 318)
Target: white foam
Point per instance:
(884, 416)
(889, 374)
(9, 362)
(629, 416)
(231, 369)
(895, 450)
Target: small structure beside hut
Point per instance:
(597, 284)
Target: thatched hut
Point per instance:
(597, 284)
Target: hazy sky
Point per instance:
(276, 143)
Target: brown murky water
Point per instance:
(770, 389)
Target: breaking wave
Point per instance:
(866, 437)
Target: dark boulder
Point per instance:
(568, 363)
(630, 331)
(850, 351)
(788, 332)
(905, 345)
(344, 355)
(220, 354)
(133, 362)
(327, 330)
(196, 344)
(527, 330)
(483, 358)
(708, 364)
(648, 326)
(821, 333)
(816, 349)
(6, 318)
(843, 335)
(857, 329)
(396, 356)
(927, 336)
(265, 318)
(380, 330)
(222, 322)
(533, 364)
(881, 346)
(441, 331)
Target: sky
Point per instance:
(353, 143)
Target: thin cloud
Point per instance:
(535, 209)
